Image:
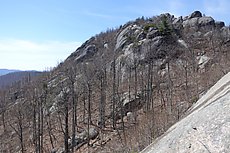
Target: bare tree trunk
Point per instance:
(122, 118)
(114, 94)
(169, 90)
(35, 138)
(74, 109)
(89, 113)
(42, 127)
(65, 99)
(142, 84)
(60, 121)
(49, 124)
(151, 86)
(135, 78)
(73, 128)
(84, 107)
(148, 88)
(76, 112)
(89, 104)
(21, 131)
(39, 127)
(66, 135)
(50, 134)
(103, 99)
(186, 81)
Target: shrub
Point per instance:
(149, 25)
(194, 99)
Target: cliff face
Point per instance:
(205, 128)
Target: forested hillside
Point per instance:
(120, 90)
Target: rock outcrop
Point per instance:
(206, 128)
(131, 31)
(83, 137)
(199, 22)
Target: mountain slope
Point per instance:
(205, 128)
(120, 90)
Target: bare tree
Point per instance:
(114, 93)
(102, 78)
(65, 100)
(88, 71)
(71, 80)
(18, 125)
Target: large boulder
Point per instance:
(93, 133)
(177, 23)
(82, 138)
(195, 14)
(206, 128)
(219, 24)
(190, 22)
(225, 31)
(202, 61)
(206, 21)
(182, 43)
(178, 20)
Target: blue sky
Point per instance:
(37, 34)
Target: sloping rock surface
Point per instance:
(206, 128)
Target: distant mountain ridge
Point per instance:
(6, 71)
(10, 78)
